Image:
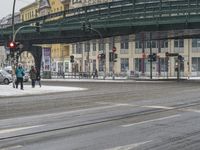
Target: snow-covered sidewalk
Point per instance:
(8, 90)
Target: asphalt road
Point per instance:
(107, 116)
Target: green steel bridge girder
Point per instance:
(111, 19)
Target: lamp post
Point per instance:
(13, 20)
(13, 31)
(103, 50)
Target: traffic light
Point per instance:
(37, 27)
(72, 58)
(181, 58)
(86, 26)
(11, 45)
(112, 57)
(154, 57)
(167, 54)
(101, 56)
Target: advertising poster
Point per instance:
(46, 59)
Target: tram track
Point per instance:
(110, 119)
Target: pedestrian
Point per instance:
(33, 75)
(38, 78)
(19, 74)
(96, 73)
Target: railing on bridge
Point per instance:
(122, 12)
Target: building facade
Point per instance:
(133, 56)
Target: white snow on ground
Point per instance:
(8, 90)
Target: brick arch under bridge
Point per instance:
(36, 52)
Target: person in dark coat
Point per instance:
(33, 74)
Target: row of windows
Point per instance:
(160, 66)
(29, 15)
(56, 9)
(161, 46)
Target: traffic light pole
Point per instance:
(178, 70)
(104, 61)
(13, 31)
(151, 61)
(13, 18)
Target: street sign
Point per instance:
(171, 54)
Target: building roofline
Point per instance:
(30, 5)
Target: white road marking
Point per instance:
(150, 106)
(118, 104)
(128, 147)
(161, 107)
(159, 119)
(191, 110)
(145, 106)
(12, 147)
(18, 129)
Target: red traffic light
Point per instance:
(12, 44)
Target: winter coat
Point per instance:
(33, 74)
(19, 72)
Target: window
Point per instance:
(79, 48)
(102, 46)
(163, 64)
(94, 65)
(138, 44)
(195, 45)
(138, 64)
(73, 48)
(179, 43)
(124, 44)
(87, 46)
(111, 43)
(66, 67)
(195, 64)
(152, 44)
(94, 48)
(101, 65)
(164, 44)
(124, 64)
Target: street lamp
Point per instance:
(13, 14)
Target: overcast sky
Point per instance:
(7, 6)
